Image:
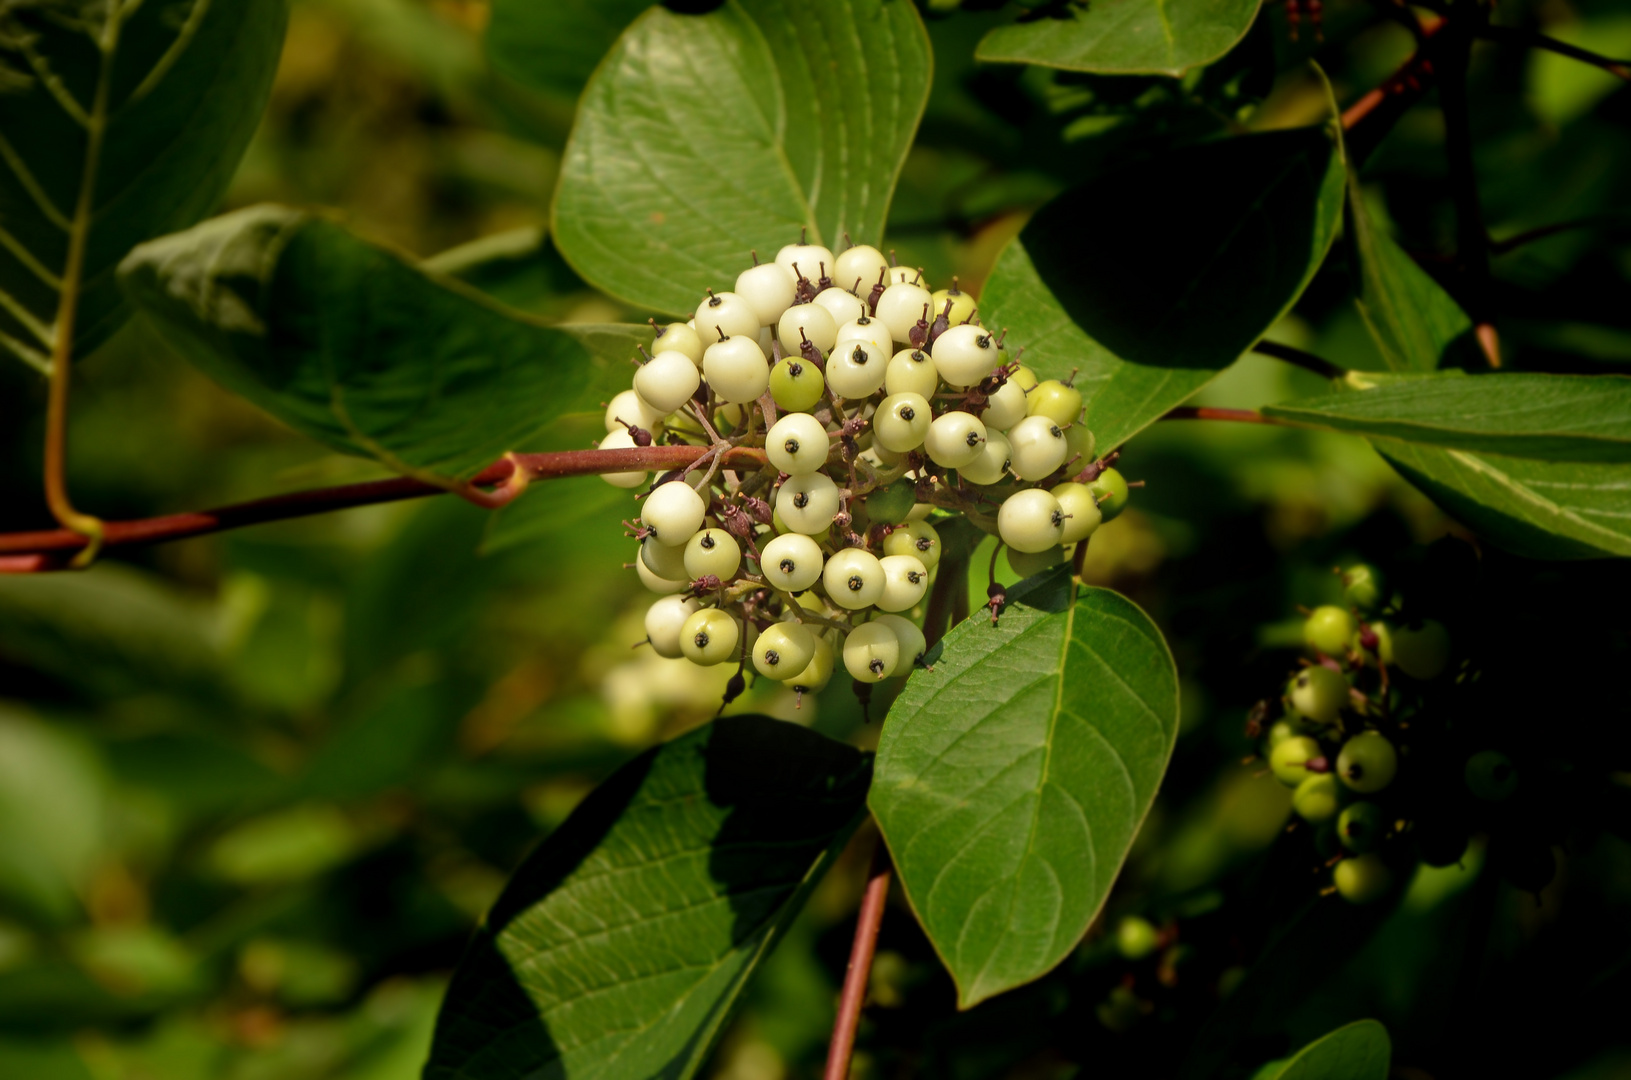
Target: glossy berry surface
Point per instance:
(1319, 693)
(1290, 760)
(1362, 879)
(1328, 629)
(1368, 762)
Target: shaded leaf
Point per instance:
(701, 137)
(363, 350)
(554, 46)
(1357, 1051)
(175, 91)
(1123, 37)
(1013, 777)
(1245, 223)
(620, 946)
(1416, 324)
(1551, 417)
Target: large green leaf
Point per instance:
(1416, 324)
(1123, 37)
(1357, 1051)
(1153, 277)
(701, 137)
(362, 349)
(1551, 417)
(554, 45)
(1541, 509)
(1013, 776)
(619, 947)
(119, 121)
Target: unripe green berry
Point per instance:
(1423, 652)
(890, 505)
(856, 369)
(912, 642)
(665, 620)
(1031, 520)
(1328, 629)
(621, 440)
(1289, 761)
(1362, 879)
(1368, 762)
(992, 464)
(1024, 378)
(1384, 641)
(1136, 938)
(966, 354)
(1029, 563)
(905, 582)
(1279, 733)
(1079, 446)
(911, 371)
(797, 444)
(784, 648)
(1362, 587)
(1110, 488)
(736, 369)
(796, 385)
(1361, 827)
(769, 290)
(807, 504)
(667, 381)
(815, 321)
(1490, 776)
(1319, 693)
(673, 512)
(728, 314)
(1082, 515)
(709, 637)
(817, 673)
(1006, 407)
(1060, 403)
(901, 422)
(917, 539)
(871, 652)
(1317, 798)
(791, 562)
(712, 552)
(1037, 447)
(853, 579)
(955, 439)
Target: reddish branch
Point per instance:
(28, 552)
(1372, 116)
(1201, 412)
(857, 975)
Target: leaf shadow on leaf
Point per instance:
(1123, 287)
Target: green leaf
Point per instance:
(620, 946)
(362, 349)
(1013, 777)
(1416, 324)
(118, 122)
(1149, 314)
(1357, 1051)
(701, 137)
(1550, 417)
(554, 46)
(1539, 509)
(1123, 37)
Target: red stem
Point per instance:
(856, 976)
(321, 500)
(1369, 118)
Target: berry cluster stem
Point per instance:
(859, 971)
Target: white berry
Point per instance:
(769, 289)
(1082, 513)
(912, 642)
(1037, 446)
(843, 305)
(807, 504)
(680, 337)
(867, 329)
(726, 313)
(808, 257)
(853, 579)
(901, 306)
(905, 582)
(657, 583)
(856, 369)
(664, 621)
(955, 439)
(797, 444)
(966, 354)
(917, 539)
(736, 369)
(785, 649)
(992, 464)
(673, 511)
(1006, 407)
(912, 371)
(1031, 520)
(857, 268)
(871, 652)
(791, 562)
(712, 552)
(627, 408)
(816, 323)
(901, 422)
(817, 672)
(621, 440)
(664, 560)
(667, 381)
(709, 636)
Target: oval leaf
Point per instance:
(1123, 37)
(1358, 1051)
(619, 947)
(174, 91)
(1012, 778)
(1550, 417)
(1150, 314)
(1416, 325)
(363, 350)
(701, 137)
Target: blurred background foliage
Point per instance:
(255, 789)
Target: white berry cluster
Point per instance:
(880, 407)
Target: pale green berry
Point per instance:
(1060, 403)
(1005, 408)
(843, 305)
(667, 381)
(1362, 879)
(1110, 488)
(966, 354)
(856, 369)
(664, 560)
(904, 275)
(1079, 446)
(890, 505)
(1490, 776)
(1279, 733)
(911, 371)
(866, 328)
(901, 306)
(664, 621)
(992, 464)
(905, 582)
(657, 583)
(1024, 378)
(1037, 447)
(1361, 827)
(796, 385)
(1319, 693)
(1384, 641)
(1031, 520)
(621, 440)
(728, 314)
(1136, 938)
(901, 422)
(853, 579)
(673, 511)
(806, 259)
(962, 305)
(627, 408)
(808, 503)
(797, 444)
(955, 439)
(1029, 563)
(784, 649)
(1328, 629)
(736, 369)
(1368, 762)
(1317, 798)
(871, 652)
(1289, 761)
(912, 642)
(861, 263)
(921, 512)
(709, 637)
(766, 339)
(712, 552)
(1362, 586)
(1423, 652)
(769, 290)
(791, 562)
(916, 538)
(1082, 516)
(815, 322)
(817, 673)
(680, 337)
